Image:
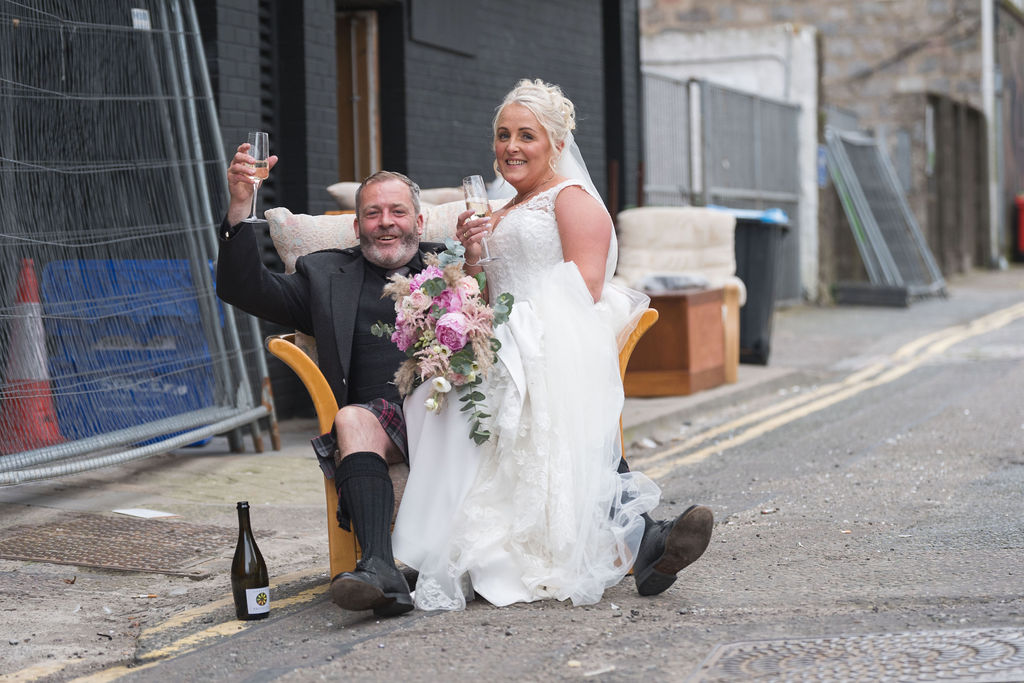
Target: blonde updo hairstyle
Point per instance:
(553, 110)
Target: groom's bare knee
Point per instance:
(359, 431)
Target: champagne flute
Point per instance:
(259, 147)
(476, 200)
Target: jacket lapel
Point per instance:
(346, 286)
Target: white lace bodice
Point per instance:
(527, 242)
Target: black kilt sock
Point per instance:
(367, 494)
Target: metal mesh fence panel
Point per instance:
(887, 235)
(111, 172)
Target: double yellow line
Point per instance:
(195, 640)
(758, 423)
(182, 645)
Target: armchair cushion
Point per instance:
(295, 235)
(344, 193)
(441, 195)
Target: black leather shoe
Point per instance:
(375, 584)
(668, 547)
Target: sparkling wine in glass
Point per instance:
(476, 200)
(259, 148)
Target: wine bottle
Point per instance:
(249, 582)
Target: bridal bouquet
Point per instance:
(446, 329)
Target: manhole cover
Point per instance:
(967, 655)
(115, 542)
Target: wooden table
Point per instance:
(685, 350)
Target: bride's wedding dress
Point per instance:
(538, 511)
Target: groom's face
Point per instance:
(388, 226)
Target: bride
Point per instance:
(540, 510)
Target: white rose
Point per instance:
(441, 385)
(432, 404)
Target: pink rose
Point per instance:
(416, 302)
(428, 273)
(449, 300)
(451, 330)
(468, 286)
(402, 338)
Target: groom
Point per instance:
(335, 295)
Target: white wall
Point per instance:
(775, 61)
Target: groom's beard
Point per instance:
(393, 255)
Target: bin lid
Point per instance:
(775, 216)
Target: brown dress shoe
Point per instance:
(669, 546)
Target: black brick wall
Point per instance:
(632, 126)
(451, 97)
(437, 103)
(232, 55)
(321, 126)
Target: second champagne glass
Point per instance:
(259, 148)
(476, 199)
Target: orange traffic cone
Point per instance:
(27, 414)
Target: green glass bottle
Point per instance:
(249, 582)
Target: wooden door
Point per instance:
(358, 95)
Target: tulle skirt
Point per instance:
(538, 511)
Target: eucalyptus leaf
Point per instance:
(433, 286)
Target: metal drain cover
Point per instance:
(115, 542)
(995, 654)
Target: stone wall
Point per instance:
(871, 49)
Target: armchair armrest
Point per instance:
(283, 347)
(343, 548)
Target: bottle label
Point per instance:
(257, 600)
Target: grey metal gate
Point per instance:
(709, 144)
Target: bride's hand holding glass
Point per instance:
(471, 231)
(475, 191)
